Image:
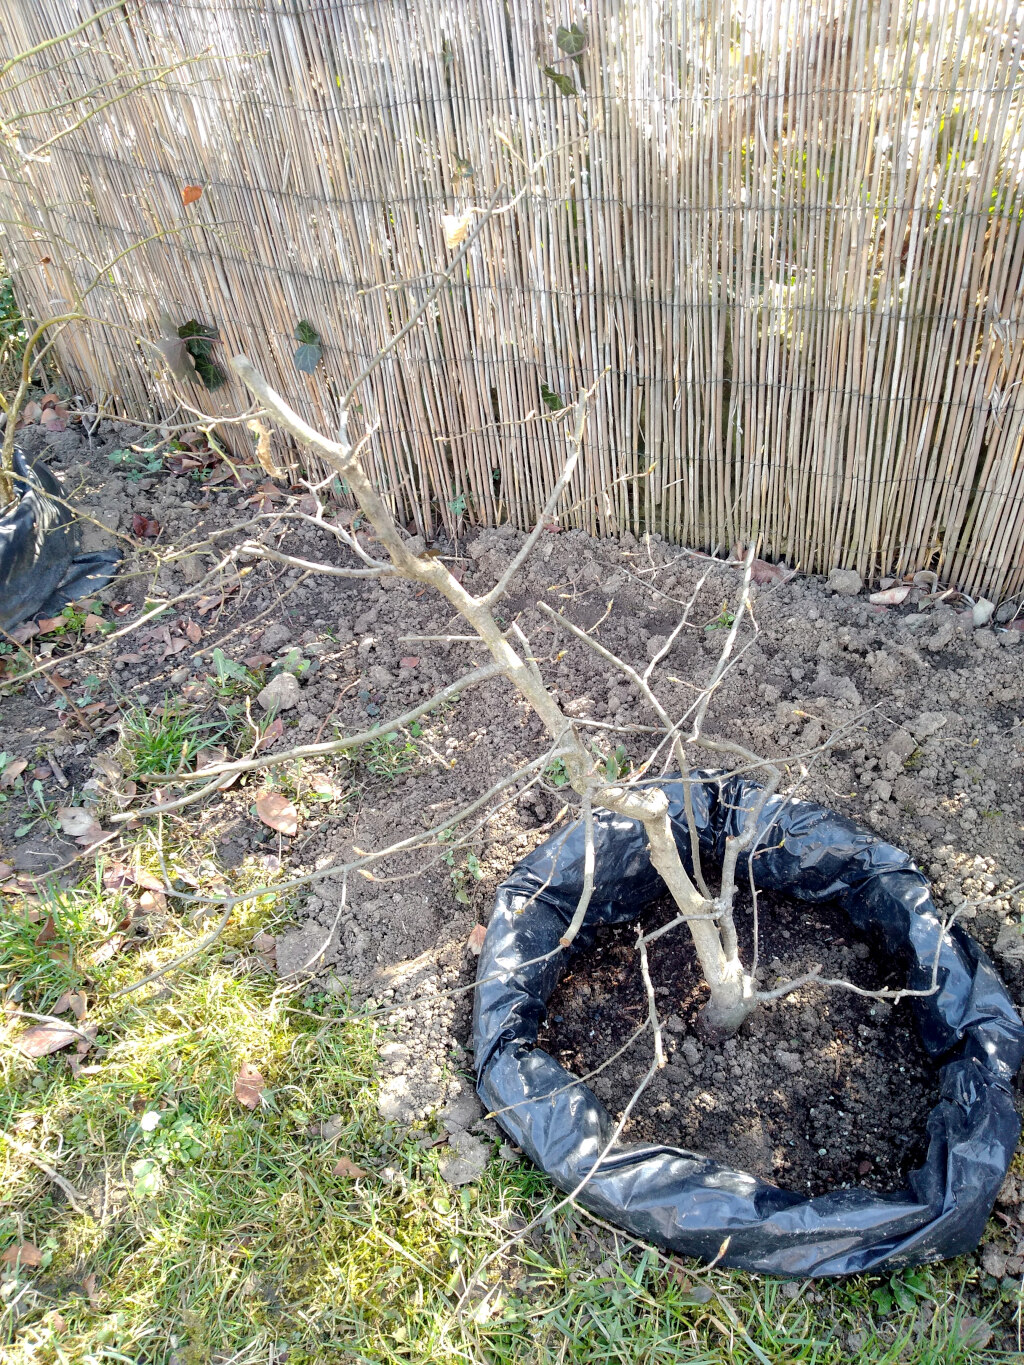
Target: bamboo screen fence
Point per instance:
(781, 238)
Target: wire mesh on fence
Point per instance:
(784, 236)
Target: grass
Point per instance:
(389, 756)
(212, 1233)
(167, 742)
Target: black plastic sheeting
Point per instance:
(41, 569)
(689, 1203)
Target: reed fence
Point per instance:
(782, 238)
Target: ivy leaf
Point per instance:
(566, 84)
(199, 339)
(551, 399)
(307, 358)
(571, 40)
(310, 351)
(211, 374)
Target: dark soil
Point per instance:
(821, 1090)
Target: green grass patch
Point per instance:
(153, 743)
(214, 1233)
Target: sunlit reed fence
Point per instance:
(783, 240)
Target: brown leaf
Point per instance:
(46, 935)
(42, 772)
(410, 661)
(190, 193)
(175, 645)
(71, 1000)
(271, 734)
(193, 631)
(257, 660)
(974, 1333)
(12, 771)
(206, 604)
(266, 945)
(475, 942)
(762, 572)
(277, 812)
(48, 624)
(6, 870)
(151, 901)
(891, 597)
(347, 1170)
(108, 948)
(79, 823)
(148, 880)
(93, 624)
(23, 633)
(115, 876)
(91, 1285)
(42, 1039)
(249, 1086)
(22, 1253)
(147, 527)
(54, 418)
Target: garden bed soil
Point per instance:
(823, 1090)
(925, 715)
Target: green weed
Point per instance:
(556, 773)
(231, 679)
(389, 755)
(136, 464)
(168, 742)
(724, 620)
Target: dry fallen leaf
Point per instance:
(891, 597)
(455, 228)
(193, 632)
(91, 1285)
(249, 1086)
(347, 1170)
(6, 870)
(206, 604)
(273, 732)
(152, 901)
(147, 527)
(79, 823)
(22, 1253)
(277, 812)
(13, 771)
(257, 660)
(42, 1039)
(410, 661)
(46, 935)
(475, 942)
(93, 624)
(190, 193)
(71, 1000)
(47, 624)
(762, 572)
